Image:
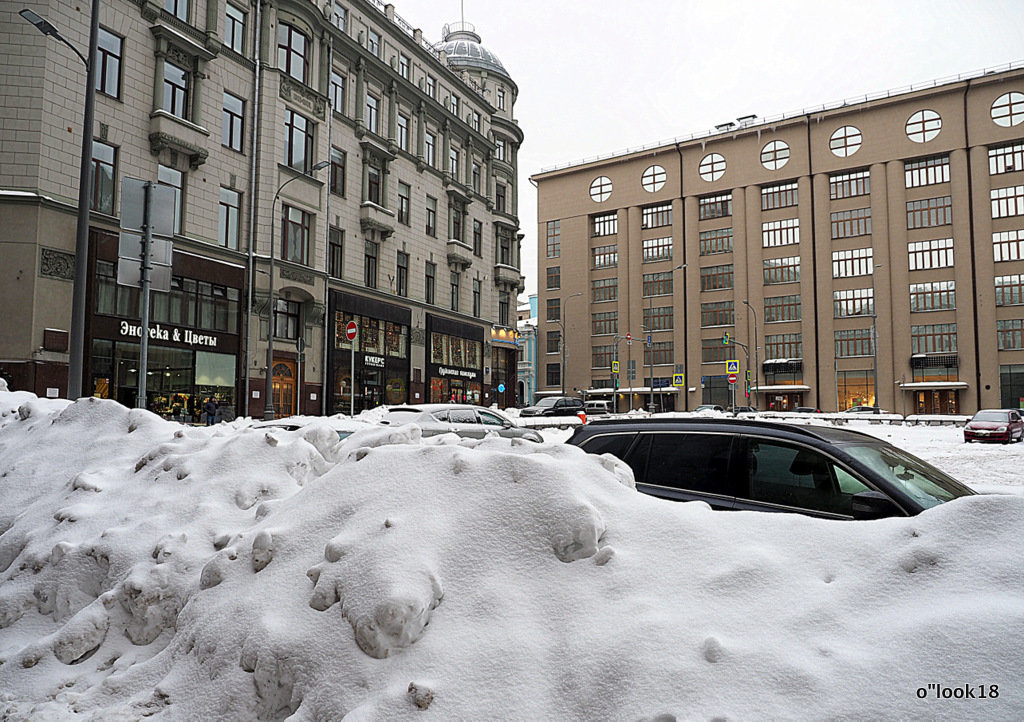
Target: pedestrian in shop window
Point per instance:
(211, 412)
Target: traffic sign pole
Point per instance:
(351, 332)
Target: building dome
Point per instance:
(463, 48)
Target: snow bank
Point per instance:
(228, 572)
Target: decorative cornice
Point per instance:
(160, 141)
(294, 274)
(302, 95)
(56, 264)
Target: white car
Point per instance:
(466, 420)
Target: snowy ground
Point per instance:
(153, 570)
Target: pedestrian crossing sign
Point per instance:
(732, 366)
(678, 379)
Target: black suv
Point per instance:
(554, 406)
(752, 465)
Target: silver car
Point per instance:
(466, 420)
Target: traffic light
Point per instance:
(725, 338)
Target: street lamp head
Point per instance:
(42, 24)
(320, 166)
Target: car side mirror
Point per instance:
(873, 505)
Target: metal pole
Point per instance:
(268, 402)
(650, 347)
(147, 244)
(352, 377)
(757, 366)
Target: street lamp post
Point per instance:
(76, 351)
(757, 368)
(650, 338)
(874, 338)
(561, 340)
(268, 408)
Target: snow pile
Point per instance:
(230, 572)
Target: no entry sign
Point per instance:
(350, 330)
(732, 378)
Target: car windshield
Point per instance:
(547, 402)
(998, 416)
(918, 479)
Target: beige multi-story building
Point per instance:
(870, 252)
(410, 230)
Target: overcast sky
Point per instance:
(598, 77)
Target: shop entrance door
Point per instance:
(938, 402)
(285, 374)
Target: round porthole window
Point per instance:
(653, 179)
(712, 167)
(845, 141)
(923, 125)
(775, 154)
(600, 189)
(1008, 109)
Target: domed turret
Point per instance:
(462, 46)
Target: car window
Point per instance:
(489, 419)
(696, 462)
(614, 444)
(918, 479)
(462, 416)
(800, 477)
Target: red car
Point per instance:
(1003, 425)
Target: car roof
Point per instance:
(828, 434)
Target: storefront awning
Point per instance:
(933, 385)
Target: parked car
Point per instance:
(741, 410)
(1003, 425)
(473, 422)
(554, 406)
(709, 407)
(597, 408)
(864, 410)
(806, 410)
(343, 425)
(755, 465)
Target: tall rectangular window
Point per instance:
(337, 92)
(780, 196)
(403, 132)
(656, 216)
(553, 374)
(431, 209)
(933, 296)
(851, 342)
(430, 149)
(337, 180)
(553, 342)
(782, 308)
(373, 42)
(298, 141)
(1010, 290)
(713, 278)
(500, 197)
(292, 52)
(504, 306)
(927, 171)
(554, 310)
(924, 255)
(930, 212)
(370, 264)
(227, 226)
(781, 270)
(554, 239)
(109, 50)
(1006, 159)
(856, 262)
(453, 162)
(501, 99)
(431, 87)
(233, 122)
(657, 249)
(335, 251)
(505, 248)
(477, 294)
(455, 105)
(933, 338)
(499, 149)
(174, 179)
(404, 202)
(478, 238)
(847, 224)
(234, 28)
(784, 345)
(554, 277)
(402, 275)
(295, 234)
(716, 241)
(430, 281)
(176, 90)
(373, 174)
(403, 65)
(604, 225)
(780, 233)
(849, 185)
(1007, 202)
(287, 315)
(717, 206)
(1008, 245)
(177, 8)
(372, 104)
(605, 256)
(657, 284)
(454, 291)
(604, 289)
(104, 175)
(475, 177)
(718, 313)
(853, 302)
(339, 16)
